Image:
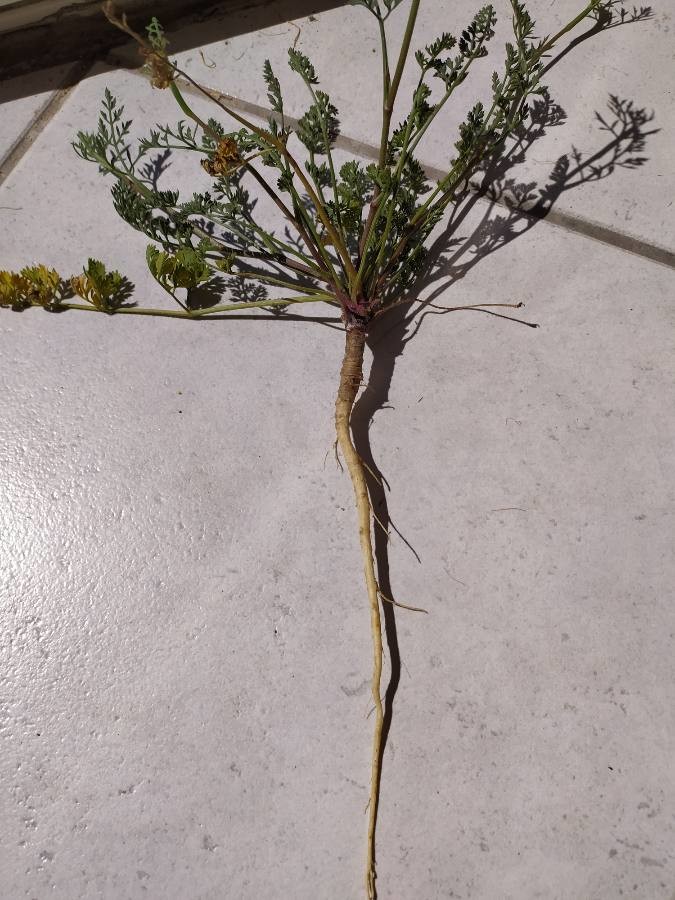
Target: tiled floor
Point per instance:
(185, 645)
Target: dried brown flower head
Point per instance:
(225, 159)
(160, 68)
(153, 50)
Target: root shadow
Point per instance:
(509, 210)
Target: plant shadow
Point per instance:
(509, 209)
(122, 295)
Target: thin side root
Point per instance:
(379, 522)
(378, 478)
(402, 605)
(337, 455)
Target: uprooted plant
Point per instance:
(354, 237)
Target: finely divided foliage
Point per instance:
(352, 236)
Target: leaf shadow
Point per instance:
(206, 295)
(122, 295)
(610, 14)
(154, 167)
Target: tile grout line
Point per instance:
(41, 119)
(570, 222)
(621, 240)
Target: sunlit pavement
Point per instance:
(185, 636)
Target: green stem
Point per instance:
(269, 279)
(396, 80)
(273, 244)
(299, 227)
(386, 74)
(324, 255)
(317, 184)
(280, 146)
(441, 103)
(392, 199)
(329, 156)
(444, 188)
(137, 185)
(390, 90)
(187, 109)
(551, 42)
(386, 87)
(197, 314)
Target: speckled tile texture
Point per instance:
(185, 648)
(22, 100)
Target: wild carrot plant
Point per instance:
(352, 236)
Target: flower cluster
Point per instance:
(41, 286)
(104, 290)
(32, 286)
(225, 159)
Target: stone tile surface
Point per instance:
(22, 100)
(185, 637)
(632, 63)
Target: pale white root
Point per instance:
(351, 376)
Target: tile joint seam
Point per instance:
(569, 221)
(22, 145)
